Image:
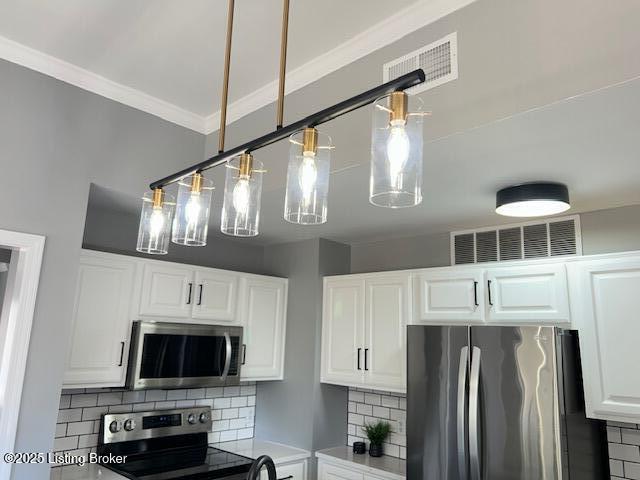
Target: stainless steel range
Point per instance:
(167, 445)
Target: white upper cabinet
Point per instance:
(531, 294)
(215, 295)
(386, 313)
(364, 330)
(176, 291)
(451, 295)
(167, 290)
(264, 318)
(100, 323)
(115, 290)
(605, 302)
(343, 331)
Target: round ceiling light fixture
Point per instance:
(533, 199)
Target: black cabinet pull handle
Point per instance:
(200, 296)
(475, 294)
(359, 359)
(190, 292)
(121, 353)
(286, 478)
(244, 353)
(489, 292)
(366, 367)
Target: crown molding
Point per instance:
(67, 72)
(374, 38)
(384, 33)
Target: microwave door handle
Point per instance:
(227, 358)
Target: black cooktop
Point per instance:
(190, 463)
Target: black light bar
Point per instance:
(401, 83)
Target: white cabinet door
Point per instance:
(605, 297)
(215, 295)
(167, 290)
(328, 471)
(290, 471)
(453, 295)
(100, 323)
(386, 313)
(264, 310)
(343, 331)
(532, 293)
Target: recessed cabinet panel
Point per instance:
(328, 471)
(343, 331)
(534, 293)
(387, 310)
(167, 291)
(264, 322)
(606, 300)
(215, 295)
(449, 295)
(100, 325)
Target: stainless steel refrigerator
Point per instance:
(499, 403)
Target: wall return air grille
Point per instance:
(522, 241)
(439, 60)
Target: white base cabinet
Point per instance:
(364, 330)
(332, 468)
(289, 471)
(114, 290)
(605, 303)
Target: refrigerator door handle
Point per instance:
(474, 438)
(462, 394)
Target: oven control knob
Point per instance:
(192, 418)
(129, 424)
(114, 427)
(204, 416)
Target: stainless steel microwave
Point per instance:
(183, 355)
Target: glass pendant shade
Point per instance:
(156, 217)
(305, 200)
(242, 192)
(191, 221)
(396, 151)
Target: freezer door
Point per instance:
(436, 402)
(513, 404)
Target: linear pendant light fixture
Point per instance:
(396, 164)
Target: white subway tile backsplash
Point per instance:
(233, 414)
(195, 393)
(156, 395)
(177, 395)
(110, 398)
(367, 407)
(84, 400)
(624, 450)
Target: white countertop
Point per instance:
(253, 448)
(390, 467)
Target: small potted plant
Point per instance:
(377, 433)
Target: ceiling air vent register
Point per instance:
(521, 241)
(439, 60)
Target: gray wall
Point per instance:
(55, 139)
(116, 231)
(603, 231)
(315, 414)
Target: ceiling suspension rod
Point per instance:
(225, 82)
(401, 83)
(283, 62)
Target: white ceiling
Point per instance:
(590, 142)
(166, 56)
